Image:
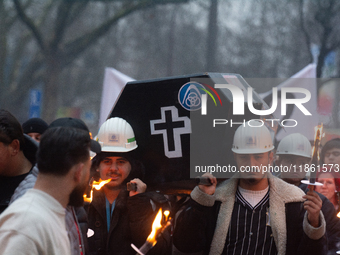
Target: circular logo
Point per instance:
(190, 96)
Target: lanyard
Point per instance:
(108, 214)
(75, 221)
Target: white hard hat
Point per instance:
(116, 135)
(252, 139)
(295, 144)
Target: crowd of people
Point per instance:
(45, 170)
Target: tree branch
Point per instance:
(13, 18)
(60, 24)
(45, 14)
(25, 81)
(304, 30)
(29, 23)
(79, 8)
(77, 46)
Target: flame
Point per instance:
(166, 214)
(97, 185)
(338, 215)
(88, 199)
(319, 134)
(318, 155)
(100, 184)
(317, 137)
(156, 227)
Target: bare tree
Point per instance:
(319, 21)
(57, 48)
(212, 33)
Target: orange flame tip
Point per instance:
(88, 199)
(97, 185)
(156, 226)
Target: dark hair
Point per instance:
(10, 128)
(334, 143)
(137, 168)
(61, 148)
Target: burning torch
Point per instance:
(94, 184)
(157, 229)
(315, 158)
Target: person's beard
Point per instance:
(76, 198)
(252, 180)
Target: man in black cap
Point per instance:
(14, 162)
(77, 123)
(34, 128)
(76, 219)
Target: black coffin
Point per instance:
(171, 139)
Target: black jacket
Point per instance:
(131, 222)
(332, 222)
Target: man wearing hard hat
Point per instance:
(294, 152)
(254, 212)
(117, 216)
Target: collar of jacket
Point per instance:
(280, 193)
(99, 201)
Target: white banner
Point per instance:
(114, 82)
(306, 78)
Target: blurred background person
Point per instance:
(34, 128)
(330, 187)
(293, 152)
(330, 152)
(330, 158)
(15, 165)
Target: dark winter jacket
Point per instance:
(332, 222)
(8, 184)
(204, 222)
(131, 222)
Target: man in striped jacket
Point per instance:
(253, 212)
